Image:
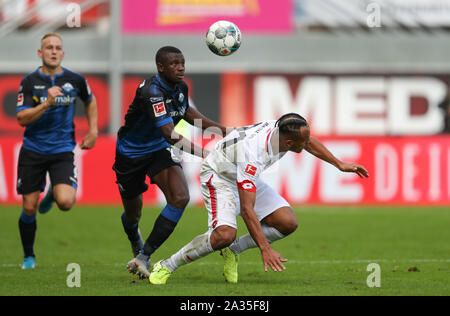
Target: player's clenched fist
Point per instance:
(52, 93)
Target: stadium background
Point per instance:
(368, 75)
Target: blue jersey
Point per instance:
(154, 105)
(54, 131)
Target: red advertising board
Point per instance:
(258, 16)
(403, 171)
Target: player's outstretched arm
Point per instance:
(269, 256)
(90, 110)
(316, 148)
(175, 139)
(192, 116)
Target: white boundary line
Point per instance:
(12, 265)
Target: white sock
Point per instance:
(246, 241)
(198, 248)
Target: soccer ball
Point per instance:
(223, 38)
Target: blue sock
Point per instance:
(172, 213)
(163, 228)
(27, 219)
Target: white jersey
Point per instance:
(243, 154)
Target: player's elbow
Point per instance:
(21, 120)
(170, 135)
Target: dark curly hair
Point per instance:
(291, 123)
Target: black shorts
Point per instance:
(33, 167)
(131, 172)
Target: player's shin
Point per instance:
(246, 241)
(198, 248)
(163, 228)
(131, 229)
(134, 236)
(27, 228)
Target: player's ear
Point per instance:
(39, 52)
(160, 67)
(289, 143)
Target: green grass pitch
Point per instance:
(328, 254)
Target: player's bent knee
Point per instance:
(65, 205)
(30, 209)
(228, 240)
(181, 200)
(291, 227)
(222, 237)
(227, 237)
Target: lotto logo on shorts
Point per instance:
(251, 170)
(159, 109)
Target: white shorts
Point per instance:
(221, 199)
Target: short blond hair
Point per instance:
(50, 34)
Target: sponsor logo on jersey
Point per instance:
(39, 87)
(251, 170)
(67, 87)
(156, 99)
(60, 100)
(181, 112)
(20, 99)
(159, 109)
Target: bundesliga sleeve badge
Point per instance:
(159, 109)
(251, 170)
(20, 99)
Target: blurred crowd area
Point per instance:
(306, 15)
(353, 67)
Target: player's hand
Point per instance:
(88, 141)
(52, 93)
(353, 167)
(272, 259)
